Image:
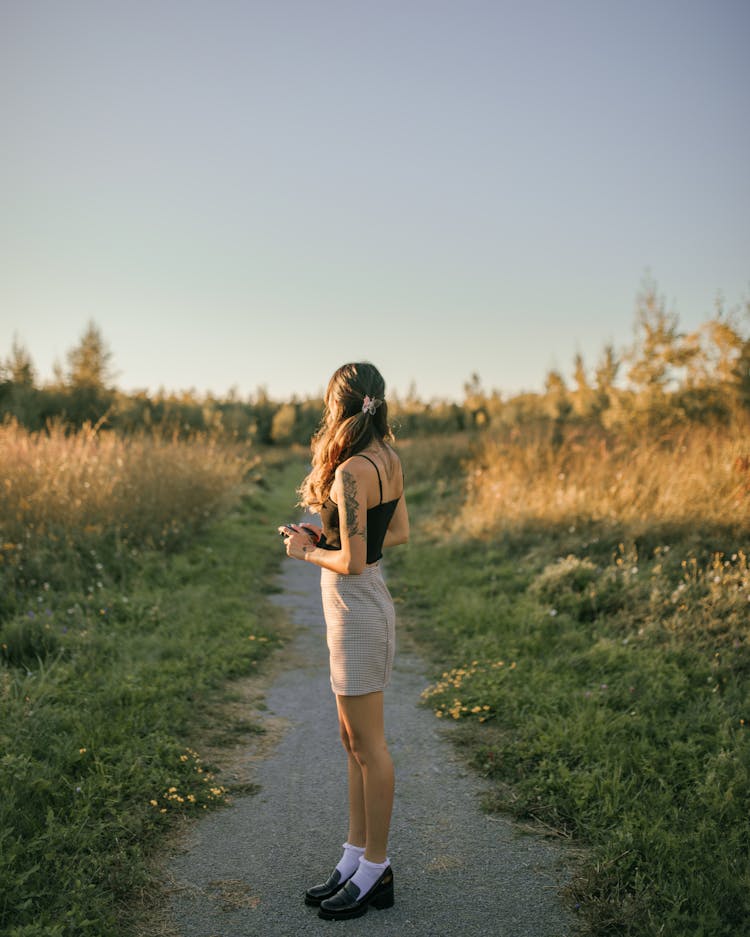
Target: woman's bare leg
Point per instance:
(357, 834)
(370, 770)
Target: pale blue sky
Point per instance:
(251, 193)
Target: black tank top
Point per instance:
(378, 519)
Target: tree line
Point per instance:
(666, 377)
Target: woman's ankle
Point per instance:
(377, 858)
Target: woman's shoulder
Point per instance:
(384, 456)
(393, 458)
(371, 459)
(353, 466)
(387, 463)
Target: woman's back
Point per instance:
(385, 486)
(387, 470)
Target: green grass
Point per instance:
(106, 693)
(604, 689)
(600, 683)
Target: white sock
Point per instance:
(349, 862)
(368, 873)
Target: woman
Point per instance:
(357, 485)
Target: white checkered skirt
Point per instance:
(360, 630)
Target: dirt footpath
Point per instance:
(457, 871)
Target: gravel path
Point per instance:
(457, 871)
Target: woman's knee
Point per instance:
(361, 724)
(367, 750)
(346, 740)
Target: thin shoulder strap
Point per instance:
(380, 484)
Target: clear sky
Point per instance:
(251, 193)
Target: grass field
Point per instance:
(586, 607)
(128, 608)
(591, 639)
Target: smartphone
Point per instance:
(286, 530)
(311, 532)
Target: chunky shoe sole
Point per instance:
(380, 897)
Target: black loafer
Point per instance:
(347, 902)
(319, 893)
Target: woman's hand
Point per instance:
(297, 541)
(313, 529)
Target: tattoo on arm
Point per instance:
(351, 506)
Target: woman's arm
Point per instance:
(350, 494)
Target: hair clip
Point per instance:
(370, 404)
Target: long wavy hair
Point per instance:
(346, 428)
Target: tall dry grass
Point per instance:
(698, 476)
(59, 489)
(114, 658)
(587, 600)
